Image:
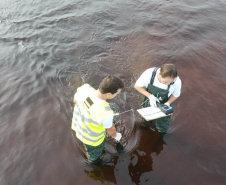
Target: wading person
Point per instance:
(93, 117)
(161, 84)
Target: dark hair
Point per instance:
(110, 84)
(168, 70)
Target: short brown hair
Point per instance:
(168, 70)
(110, 84)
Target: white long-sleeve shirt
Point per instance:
(145, 79)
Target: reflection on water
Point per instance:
(49, 48)
(134, 164)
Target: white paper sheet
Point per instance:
(150, 113)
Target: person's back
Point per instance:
(92, 115)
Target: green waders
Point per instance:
(161, 124)
(94, 152)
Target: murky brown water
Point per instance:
(49, 48)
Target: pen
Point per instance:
(157, 97)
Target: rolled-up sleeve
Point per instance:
(177, 89)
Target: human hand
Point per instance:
(118, 136)
(167, 103)
(152, 100)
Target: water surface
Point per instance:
(49, 48)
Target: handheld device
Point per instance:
(165, 108)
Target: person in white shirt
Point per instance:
(161, 84)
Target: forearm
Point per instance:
(112, 131)
(142, 90)
(172, 99)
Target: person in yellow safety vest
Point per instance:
(92, 115)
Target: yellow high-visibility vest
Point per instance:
(88, 115)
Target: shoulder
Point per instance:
(104, 107)
(147, 73)
(85, 87)
(177, 82)
(145, 77)
(83, 92)
(150, 70)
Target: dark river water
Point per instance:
(51, 47)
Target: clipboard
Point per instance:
(151, 113)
